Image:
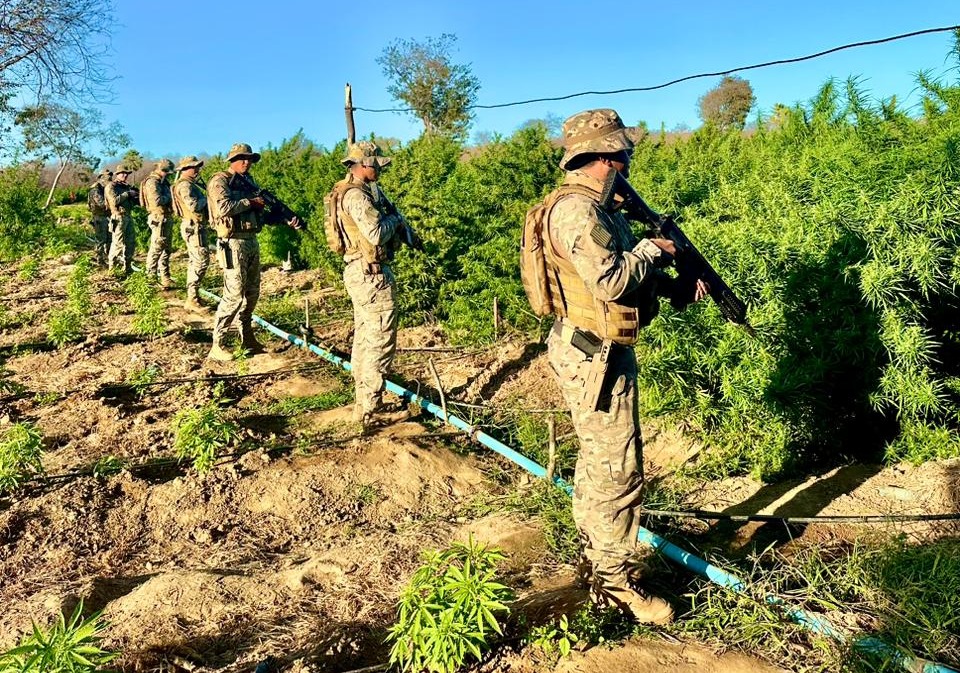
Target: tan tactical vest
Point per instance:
(355, 241)
(247, 223)
(572, 300)
(180, 208)
(161, 211)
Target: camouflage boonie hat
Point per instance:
(365, 153)
(105, 173)
(241, 150)
(163, 165)
(124, 168)
(600, 131)
(189, 162)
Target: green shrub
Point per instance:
(66, 647)
(201, 433)
(20, 452)
(67, 324)
(449, 610)
(150, 311)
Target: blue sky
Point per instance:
(198, 76)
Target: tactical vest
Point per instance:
(180, 208)
(571, 298)
(248, 223)
(355, 242)
(161, 211)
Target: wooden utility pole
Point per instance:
(348, 112)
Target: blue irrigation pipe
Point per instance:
(808, 620)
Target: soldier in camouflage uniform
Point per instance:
(607, 280)
(158, 202)
(121, 199)
(100, 215)
(190, 204)
(236, 214)
(372, 230)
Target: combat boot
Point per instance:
(197, 305)
(643, 608)
(166, 282)
(249, 342)
(219, 353)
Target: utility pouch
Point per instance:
(595, 397)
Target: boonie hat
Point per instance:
(365, 153)
(241, 150)
(189, 162)
(594, 131)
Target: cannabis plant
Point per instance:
(68, 646)
(449, 611)
(201, 433)
(20, 451)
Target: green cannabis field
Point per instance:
(837, 221)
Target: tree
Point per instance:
(53, 131)
(438, 92)
(55, 47)
(728, 104)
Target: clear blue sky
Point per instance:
(198, 76)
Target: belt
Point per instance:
(243, 235)
(370, 269)
(587, 343)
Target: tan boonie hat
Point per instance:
(600, 131)
(124, 168)
(365, 153)
(241, 150)
(105, 173)
(189, 162)
(164, 165)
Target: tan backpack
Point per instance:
(535, 268)
(336, 238)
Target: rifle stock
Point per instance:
(690, 263)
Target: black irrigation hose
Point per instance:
(855, 518)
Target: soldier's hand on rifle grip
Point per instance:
(295, 223)
(701, 290)
(666, 245)
(257, 203)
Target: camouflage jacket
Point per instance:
(191, 201)
(228, 199)
(121, 198)
(376, 218)
(600, 244)
(156, 197)
(97, 200)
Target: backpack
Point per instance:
(534, 270)
(96, 199)
(331, 218)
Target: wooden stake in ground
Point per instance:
(348, 111)
(443, 396)
(551, 447)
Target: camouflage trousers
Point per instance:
(374, 331)
(122, 243)
(609, 473)
(101, 234)
(158, 256)
(239, 258)
(198, 255)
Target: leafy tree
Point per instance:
(55, 47)
(728, 104)
(53, 131)
(438, 91)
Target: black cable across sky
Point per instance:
(719, 73)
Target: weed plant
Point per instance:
(20, 456)
(201, 433)
(68, 646)
(141, 379)
(30, 269)
(150, 315)
(67, 324)
(450, 609)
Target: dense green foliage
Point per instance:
(25, 227)
(449, 610)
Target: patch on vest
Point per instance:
(601, 236)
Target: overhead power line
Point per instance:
(719, 73)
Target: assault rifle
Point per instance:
(690, 264)
(275, 211)
(405, 235)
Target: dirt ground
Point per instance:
(297, 543)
